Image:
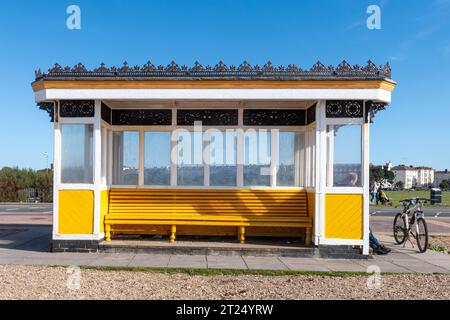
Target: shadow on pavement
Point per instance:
(25, 237)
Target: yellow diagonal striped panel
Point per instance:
(344, 216)
(76, 212)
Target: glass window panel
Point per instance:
(125, 157)
(257, 158)
(344, 155)
(157, 158)
(77, 153)
(222, 153)
(287, 147)
(104, 154)
(190, 169)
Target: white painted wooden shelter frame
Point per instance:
(313, 155)
(324, 176)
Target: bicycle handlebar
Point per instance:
(409, 200)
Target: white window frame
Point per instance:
(329, 188)
(240, 129)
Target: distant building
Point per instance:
(440, 176)
(413, 177)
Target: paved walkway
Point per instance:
(28, 244)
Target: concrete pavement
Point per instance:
(25, 237)
(26, 214)
(28, 245)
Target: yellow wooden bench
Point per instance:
(261, 211)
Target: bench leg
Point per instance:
(241, 234)
(173, 231)
(107, 232)
(308, 236)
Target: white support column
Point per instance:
(307, 167)
(319, 172)
(56, 167)
(104, 157)
(97, 166)
(330, 157)
(366, 177)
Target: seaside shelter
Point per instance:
(243, 151)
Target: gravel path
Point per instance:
(39, 282)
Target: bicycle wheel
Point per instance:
(422, 235)
(399, 229)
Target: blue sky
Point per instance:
(415, 39)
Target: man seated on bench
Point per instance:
(376, 246)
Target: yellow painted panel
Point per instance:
(104, 203)
(344, 216)
(76, 212)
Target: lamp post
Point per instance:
(45, 154)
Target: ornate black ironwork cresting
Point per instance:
(106, 113)
(264, 117)
(344, 109)
(49, 107)
(218, 117)
(77, 108)
(311, 114)
(220, 70)
(152, 117)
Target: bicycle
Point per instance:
(404, 222)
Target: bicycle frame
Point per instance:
(411, 212)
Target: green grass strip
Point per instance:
(438, 248)
(222, 272)
(242, 272)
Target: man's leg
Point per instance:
(374, 244)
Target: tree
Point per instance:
(445, 185)
(389, 176)
(14, 181)
(399, 185)
(376, 174)
(379, 175)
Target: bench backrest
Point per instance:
(210, 201)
